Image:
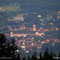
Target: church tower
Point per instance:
(34, 27)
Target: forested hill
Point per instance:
(44, 4)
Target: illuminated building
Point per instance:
(34, 27)
(20, 33)
(22, 27)
(11, 34)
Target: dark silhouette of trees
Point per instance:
(47, 55)
(28, 58)
(2, 45)
(18, 57)
(40, 56)
(24, 58)
(59, 56)
(34, 57)
(8, 50)
(14, 49)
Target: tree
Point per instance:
(40, 56)
(2, 44)
(47, 55)
(14, 50)
(34, 57)
(24, 58)
(59, 56)
(18, 57)
(8, 50)
(51, 55)
(29, 58)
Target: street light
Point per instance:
(17, 51)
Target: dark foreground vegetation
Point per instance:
(10, 51)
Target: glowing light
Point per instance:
(27, 51)
(32, 38)
(48, 40)
(46, 30)
(24, 35)
(59, 12)
(11, 34)
(39, 16)
(39, 47)
(37, 33)
(43, 42)
(23, 47)
(23, 43)
(41, 34)
(19, 18)
(57, 29)
(51, 24)
(34, 27)
(55, 40)
(17, 50)
(32, 44)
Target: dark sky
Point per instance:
(34, 2)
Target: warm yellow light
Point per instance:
(23, 47)
(37, 33)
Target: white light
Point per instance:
(27, 51)
(39, 16)
(17, 50)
